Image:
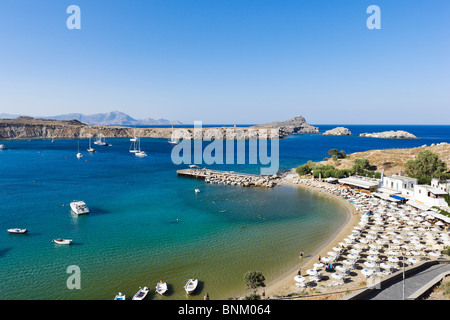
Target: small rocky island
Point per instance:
(400, 134)
(339, 131)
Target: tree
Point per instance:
(359, 165)
(254, 280)
(343, 155)
(333, 152)
(426, 165)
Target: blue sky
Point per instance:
(229, 61)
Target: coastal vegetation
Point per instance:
(425, 166)
(254, 280)
(360, 167)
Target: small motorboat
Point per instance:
(191, 285)
(140, 295)
(17, 230)
(79, 207)
(62, 241)
(197, 190)
(119, 296)
(161, 287)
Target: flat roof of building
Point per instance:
(359, 182)
(402, 178)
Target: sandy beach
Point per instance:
(384, 228)
(285, 285)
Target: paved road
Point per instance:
(413, 283)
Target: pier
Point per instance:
(230, 177)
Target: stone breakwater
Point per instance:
(231, 178)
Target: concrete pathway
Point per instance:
(414, 282)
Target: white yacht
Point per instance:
(140, 153)
(79, 155)
(172, 140)
(79, 207)
(2, 146)
(90, 149)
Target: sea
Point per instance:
(147, 224)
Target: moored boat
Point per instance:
(119, 296)
(140, 295)
(161, 287)
(191, 285)
(17, 230)
(62, 241)
(79, 207)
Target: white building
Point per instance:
(441, 186)
(397, 184)
(429, 196)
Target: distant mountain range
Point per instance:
(113, 118)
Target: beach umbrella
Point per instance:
(318, 265)
(338, 276)
(372, 258)
(370, 264)
(415, 253)
(352, 256)
(385, 266)
(348, 262)
(434, 254)
(314, 278)
(412, 260)
(311, 272)
(341, 268)
(367, 272)
(326, 259)
(355, 251)
(393, 259)
(337, 249)
(393, 253)
(373, 252)
(299, 279)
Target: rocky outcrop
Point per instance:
(339, 131)
(294, 125)
(400, 134)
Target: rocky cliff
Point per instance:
(29, 128)
(294, 125)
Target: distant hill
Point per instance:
(113, 118)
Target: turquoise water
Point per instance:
(147, 224)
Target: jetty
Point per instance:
(231, 177)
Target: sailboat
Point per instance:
(133, 146)
(172, 140)
(134, 139)
(90, 149)
(79, 155)
(100, 142)
(140, 153)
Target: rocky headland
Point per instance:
(339, 131)
(31, 128)
(400, 134)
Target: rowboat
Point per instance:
(62, 241)
(191, 285)
(119, 296)
(161, 287)
(140, 295)
(17, 230)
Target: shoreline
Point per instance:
(285, 284)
